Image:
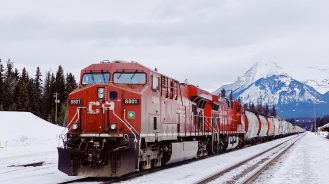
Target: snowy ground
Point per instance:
(306, 162)
(196, 171)
(27, 139)
(242, 173)
(323, 133)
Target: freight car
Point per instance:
(125, 117)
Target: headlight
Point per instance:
(101, 93)
(113, 126)
(75, 126)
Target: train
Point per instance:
(125, 118)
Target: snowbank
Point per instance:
(23, 129)
(306, 162)
(29, 139)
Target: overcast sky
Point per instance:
(208, 42)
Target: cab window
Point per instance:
(95, 78)
(129, 78)
(155, 83)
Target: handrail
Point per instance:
(76, 113)
(124, 118)
(130, 128)
(210, 125)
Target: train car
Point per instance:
(285, 127)
(277, 127)
(291, 129)
(280, 127)
(125, 117)
(252, 126)
(264, 127)
(271, 127)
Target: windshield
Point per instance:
(129, 78)
(94, 78)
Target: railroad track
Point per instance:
(105, 180)
(249, 169)
(141, 173)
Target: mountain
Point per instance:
(257, 71)
(320, 81)
(326, 96)
(266, 83)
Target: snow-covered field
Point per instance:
(306, 162)
(27, 139)
(196, 171)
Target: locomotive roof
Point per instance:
(107, 66)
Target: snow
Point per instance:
(323, 134)
(314, 76)
(198, 170)
(255, 94)
(320, 81)
(28, 139)
(306, 162)
(273, 86)
(259, 70)
(23, 129)
(242, 173)
(279, 89)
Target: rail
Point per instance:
(233, 167)
(260, 170)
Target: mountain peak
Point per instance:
(259, 70)
(266, 83)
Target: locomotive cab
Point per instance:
(104, 116)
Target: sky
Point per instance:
(210, 43)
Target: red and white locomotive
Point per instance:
(125, 117)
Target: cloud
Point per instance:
(209, 42)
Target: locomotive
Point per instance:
(125, 117)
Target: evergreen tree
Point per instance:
(32, 96)
(267, 110)
(273, 110)
(70, 85)
(53, 90)
(223, 93)
(46, 98)
(9, 88)
(252, 106)
(16, 75)
(60, 84)
(1, 85)
(60, 89)
(37, 93)
(16, 78)
(22, 93)
(23, 98)
(231, 95)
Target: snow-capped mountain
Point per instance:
(320, 81)
(279, 89)
(257, 71)
(266, 83)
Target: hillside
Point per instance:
(267, 83)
